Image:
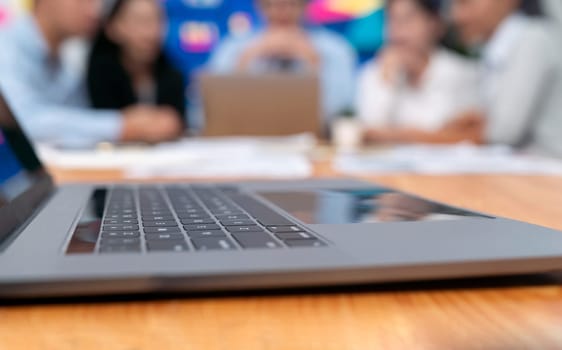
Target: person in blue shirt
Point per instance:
(49, 97)
(287, 44)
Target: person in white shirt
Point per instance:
(521, 73)
(416, 87)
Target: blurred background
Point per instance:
(402, 68)
(196, 27)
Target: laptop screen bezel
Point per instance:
(15, 214)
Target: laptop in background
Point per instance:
(261, 105)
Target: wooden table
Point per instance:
(520, 315)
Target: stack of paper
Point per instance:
(459, 159)
(272, 157)
(252, 166)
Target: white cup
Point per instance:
(347, 135)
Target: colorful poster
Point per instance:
(330, 11)
(11, 8)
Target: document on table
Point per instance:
(269, 166)
(443, 160)
(272, 157)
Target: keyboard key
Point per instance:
(160, 224)
(189, 209)
(165, 237)
(114, 210)
(148, 213)
(121, 222)
(226, 212)
(129, 216)
(121, 216)
(162, 230)
(120, 234)
(294, 235)
(233, 217)
(295, 243)
(157, 218)
(197, 221)
(209, 233)
(194, 216)
(155, 208)
(118, 213)
(228, 189)
(170, 246)
(121, 228)
(152, 203)
(202, 227)
(238, 222)
(222, 208)
(181, 199)
(244, 229)
(283, 229)
(120, 241)
(186, 214)
(213, 243)
(120, 249)
(251, 240)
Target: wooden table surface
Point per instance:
(521, 314)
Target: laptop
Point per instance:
(99, 239)
(260, 105)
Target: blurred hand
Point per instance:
(381, 136)
(286, 43)
(150, 124)
(468, 127)
(275, 42)
(398, 60)
(392, 65)
(469, 121)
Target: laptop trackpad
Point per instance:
(369, 205)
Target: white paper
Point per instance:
(444, 160)
(209, 157)
(269, 166)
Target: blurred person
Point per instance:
(521, 73)
(50, 99)
(288, 44)
(127, 65)
(554, 10)
(416, 87)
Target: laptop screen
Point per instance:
(24, 184)
(12, 177)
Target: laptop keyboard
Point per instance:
(194, 218)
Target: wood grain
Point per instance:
(520, 316)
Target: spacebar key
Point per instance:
(250, 240)
(213, 243)
(260, 212)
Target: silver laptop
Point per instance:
(84, 240)
(260, 105)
